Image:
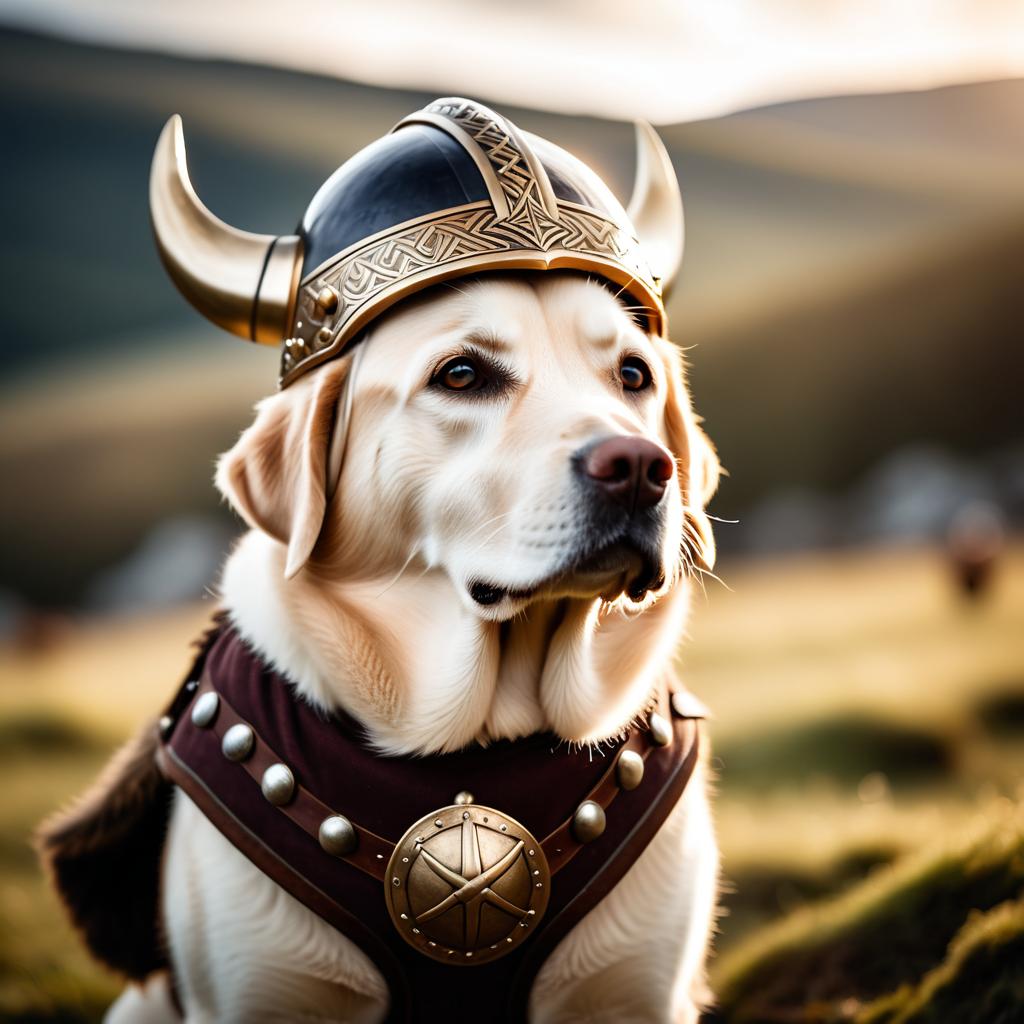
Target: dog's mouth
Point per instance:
(612, 569)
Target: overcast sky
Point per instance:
(666, 60)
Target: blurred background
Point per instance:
(852, 304)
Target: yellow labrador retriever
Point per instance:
(476, 509)
(438, 547)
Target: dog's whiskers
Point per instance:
(688, 552)
(715, 577)
(689, 561)
(487, 522)
(494, 533)
(452, 286)
(405, 565)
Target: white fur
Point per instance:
(380, 623)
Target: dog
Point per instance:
(481, 523)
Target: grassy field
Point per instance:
(869, 737)
(869, 743)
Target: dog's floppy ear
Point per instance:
(276, 476)
(698, 462)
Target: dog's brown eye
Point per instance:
(474, 376)
(460, 375)
(635, 374)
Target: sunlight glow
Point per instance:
(679, 60)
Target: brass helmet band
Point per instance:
(249, 284)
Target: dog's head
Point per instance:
(519, 432)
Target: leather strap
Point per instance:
(307, 811)
(372, 851)
(561, 845)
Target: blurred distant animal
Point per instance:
(475, 529)
(975, 541)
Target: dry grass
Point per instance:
(884, 942)
(867, 727)
(63, 708)
(979, 977)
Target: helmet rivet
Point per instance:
(324, 335)
(327, 299)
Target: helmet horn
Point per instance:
(243, 282)
(656, 207)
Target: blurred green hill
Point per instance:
(854, 264)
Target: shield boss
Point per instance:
(467, 884)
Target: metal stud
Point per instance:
(327, 299)
(337, 836)
(630, 769)
(204, 711)
(237, 743)
(661, 731)
(166, 725)
(278, 784)
(463, 798)
(686, 705)
(588, 822)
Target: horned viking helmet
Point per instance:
(454, 189)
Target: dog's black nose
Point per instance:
(630, 470)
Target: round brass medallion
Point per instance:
(467, 884)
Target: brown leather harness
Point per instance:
(333, 773)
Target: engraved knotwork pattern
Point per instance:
(363, 275)
(469, 233)
(513, 171)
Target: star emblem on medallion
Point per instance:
(467, 884)
(471, 886)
